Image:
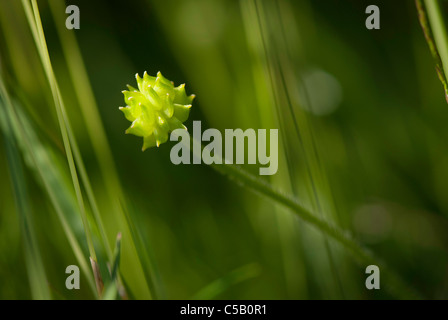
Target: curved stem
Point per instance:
(434, 29)
(392, 282)
(439, 30)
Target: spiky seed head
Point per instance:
(156, 108)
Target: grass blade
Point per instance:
(45, 171)
(435, 22)
(34, 264)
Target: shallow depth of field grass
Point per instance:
(363, 157)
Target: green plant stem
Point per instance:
(39, 38)
(91, 115)
(101, 148)
(74, 156)
(392, 282)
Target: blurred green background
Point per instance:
(362, 141)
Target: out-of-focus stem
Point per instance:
(434, 28)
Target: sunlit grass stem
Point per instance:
(33, 258)
(434, 29)
(97, 134)
(101, 148)
(32, 149)
(34, 21)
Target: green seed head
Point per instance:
(155, 109)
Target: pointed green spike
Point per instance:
(181, 111)
(127, 113)
(153, 98)
(139, 82)
(140, 127)
(132, 98)
(169, 110)
(174, 124)
(161, 136)
(131, 88)
(162, 89)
